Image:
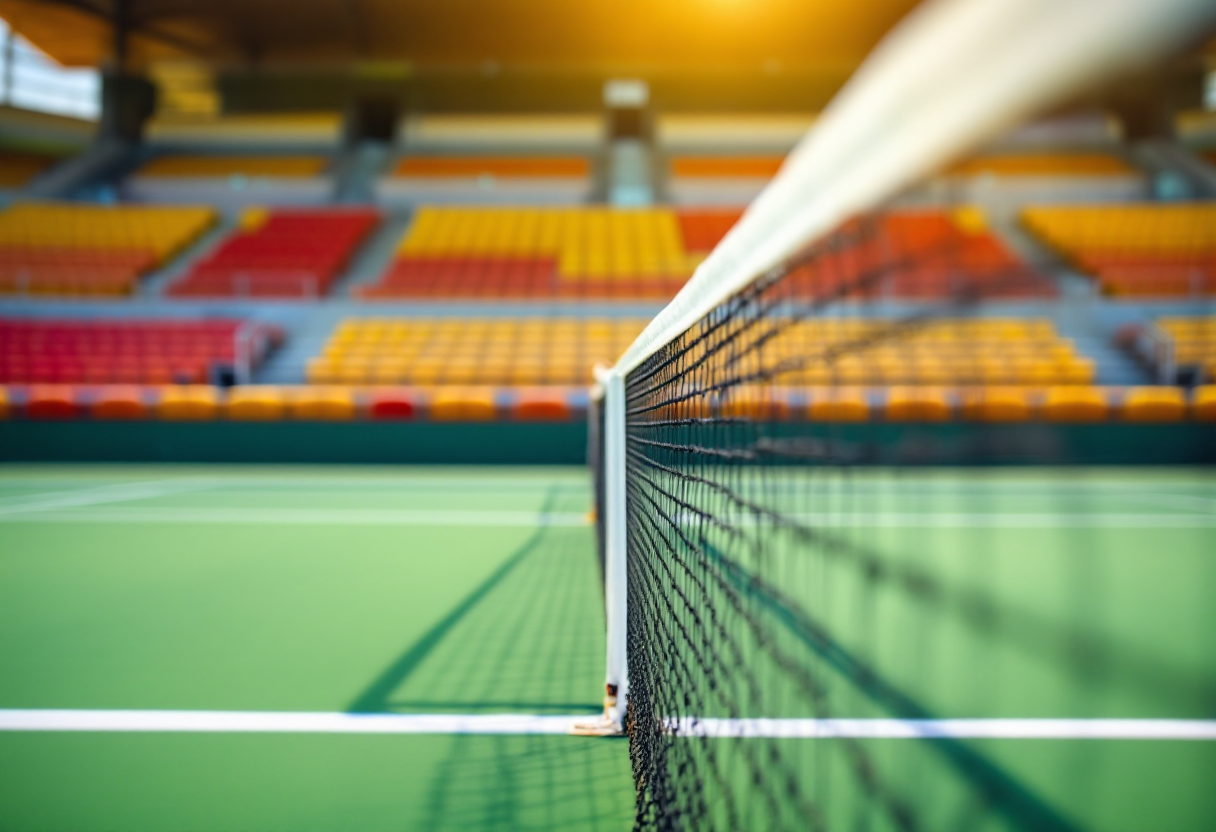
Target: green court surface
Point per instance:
(1014, 594)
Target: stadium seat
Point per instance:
(287, 253)
(1044, 164)
(188, 403)
(1075, 404)
(541, 405)
(82, 249)
(917, 404)
(322, 404)
(256, 404)
(726, 167)
(838, 404)
(4, 403)
(463, 351)
(92, 351)
(1203, 403)
(52, 401)
(1141, 250)
(120, 402)
(393, 404)
(997, 404)
(1193, 342)
(463, 404)
(749, 402)
(1154, 404)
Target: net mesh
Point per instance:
(778, 571)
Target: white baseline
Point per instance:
(262, 722)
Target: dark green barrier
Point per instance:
(552, 443)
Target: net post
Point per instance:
(611, 461)
(616, 683)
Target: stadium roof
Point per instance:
(829, 36)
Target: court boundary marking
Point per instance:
(312, 722)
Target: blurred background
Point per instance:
(253, 252)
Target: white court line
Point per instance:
(342, 723)
(117, 493)
(263, 722)
(459, 517)
(304, 516)
(895, 729)
(866, 518)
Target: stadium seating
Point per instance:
(120, 402)
(464, 404)
(210, 167)
(331, 404)
(919, 255)
(648, 253)
(506, 167)
(995, 351)
(76, 249)
(997, 404)
(1193, 342)
(1154, 404)
(125, 352)
(1166, 250)
(1075, 404)
(546, 252)
(282, 253)
(726, 167)
(481, 402)
(188, 403)
(991, 351)
(464, 351)
(1044, 164)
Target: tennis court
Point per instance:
(258, 594)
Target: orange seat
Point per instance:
(839, 404)
(917, 404)
(121, 402)
(51, 401)
(464, 404)
(188, 403)
(542, 404)
(256, 404)
(756, 403)
(1203, 403)
(1075, 404)
(333, 404)
(3, 403)
(1154, 404)
(997, 404)
(393, 404)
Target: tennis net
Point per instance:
(785, 597)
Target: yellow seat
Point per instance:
(256, 404)
(464, 404)
(997, 404)
(1154, 404)
(323, 404)
(322, 371)
(917, 404)
(1075, 404)
(1203, 403)
(758, 403)
(838, 404)
(189, 402)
